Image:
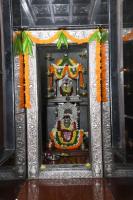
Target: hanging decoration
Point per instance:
(74, 143)
(100, 37)
(103, 39)
(23, 43)
(73, 72)
(103, 73)
(128, 36)
(18, 50)
(59, 37)
(62, 40)
(101, 95)
(27, 82)
(21, 82)
(98, 72)
(62, 36)
(23, 48)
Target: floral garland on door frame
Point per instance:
(73, 72)
(22, 47)
(24, 40)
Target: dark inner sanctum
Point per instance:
(63, 102)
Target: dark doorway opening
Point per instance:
(63, 104)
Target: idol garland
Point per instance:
(23, 42)
(60, 71)
(74, 143)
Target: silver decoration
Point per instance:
(95, 120)
(95, 116)
(43, 34)
(32, 131)
(20, 126)
(20, 145)
(106, 123)
(79, 34)
(63, 173)
(66, 106)
(32, 120)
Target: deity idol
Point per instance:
(66, 134)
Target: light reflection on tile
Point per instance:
(85, 189)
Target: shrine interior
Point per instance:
(62, 112)
(68, 94)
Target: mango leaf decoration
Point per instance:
(62, 40)
(99, 36)
(104, 37)
(93, 37)
(17, 45)
(27, 44)
(22, 44)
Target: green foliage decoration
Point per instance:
(100, 36)
(17, 45)
(62, 40)
(22, 44)
(104, 36)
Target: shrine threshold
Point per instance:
(64, 105)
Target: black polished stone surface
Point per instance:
(8, 90)
(79, 189)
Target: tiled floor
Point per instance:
(77, 189)
(122, 189)
(10, 189)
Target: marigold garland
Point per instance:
(76, 40)
(75, 143)
(22, 47)
(60, 71)
(27, 82)
(103, 72)
(98, 72)
(100, 64)
(43, 41)
(21, 81)
(128, 36)
(55, 37)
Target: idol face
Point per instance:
(67, 121)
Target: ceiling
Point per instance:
(46, 13)
(63, 12)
